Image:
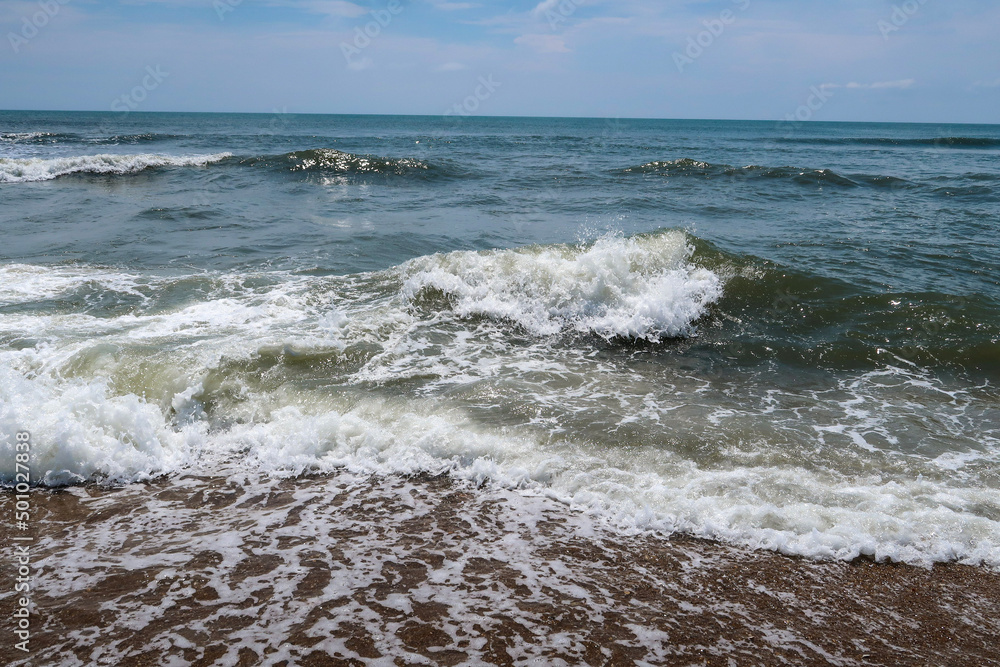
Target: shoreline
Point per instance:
(349, 570)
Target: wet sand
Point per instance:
(344, 570)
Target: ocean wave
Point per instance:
(31, 137)
(937, 142)
(26, 284)
(980, 193)
(777, 313)
(382, 373)
(642, 287)
(37, 169)
(140, 138)
(686, 167)
(87, 430)
(724, 173)
(69, 137)
(329, 161)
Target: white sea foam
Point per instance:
(642, 287)
(28, 170)
(24, 283)
(15, 137)
(84, 431)
(263, 558)
(200, 383)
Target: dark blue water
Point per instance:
(747, 330)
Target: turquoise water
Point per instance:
(771, 333)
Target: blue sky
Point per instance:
(919, 60)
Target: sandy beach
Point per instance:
(345, 570)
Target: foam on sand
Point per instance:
(426, 570)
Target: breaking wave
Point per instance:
(31, 137)
(643, 287)
(413, 369)
(30, 170)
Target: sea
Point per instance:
(777, 335)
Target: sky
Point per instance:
(935, 61)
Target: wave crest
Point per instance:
(37, 169)
(643, 287)
(147, 137)
(29, 137)
(339, 163)
(707, 170)
(939, 142)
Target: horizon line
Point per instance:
(499, 116)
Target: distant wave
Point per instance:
(72, 138)
(322, 161)
(941, 142)
(140, 138)
(333, 162)
(695, 168)
(31, 137)
(37, 169)
(958, 185)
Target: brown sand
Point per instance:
(349, 571)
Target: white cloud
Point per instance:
(360, 65)
(339, 8)
(335, 8)
(452, 67)
(901, 84)
(453, 6)
(995, 83)
(545, 6)
(543, 43)
(189, 3)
